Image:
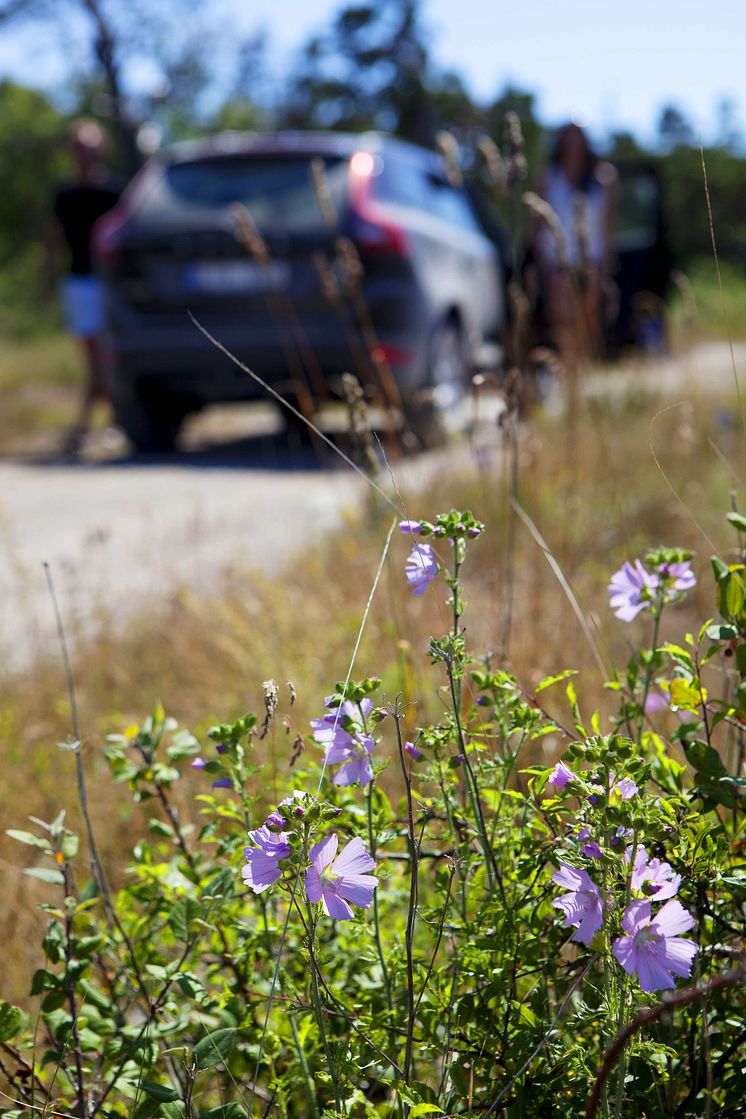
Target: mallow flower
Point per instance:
(341, 882)
(583, 904)
(410, 527)
(262, 868)
(632, 589)
(421, 568)
(677, 576)
(653, 948)
(560, 776)
(344, 738)
(652, 877)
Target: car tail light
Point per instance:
(374, 232)
(397, 356)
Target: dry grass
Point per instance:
(205, 659)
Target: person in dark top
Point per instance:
(77, 207)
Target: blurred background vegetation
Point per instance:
(371, 67)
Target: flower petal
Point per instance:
(652, 974)
(672, 919)
(353, 859)
(335, 906)
(636, 916)
(322, 853)
(313, 884)
(358, 889)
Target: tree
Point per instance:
(367, 71)
(674, 130)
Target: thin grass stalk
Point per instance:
(413, 902)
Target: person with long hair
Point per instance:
(575, 253)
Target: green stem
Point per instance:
(318, 1008)
(376, 916)
(412, 908)
(650, 668)
(493, 873)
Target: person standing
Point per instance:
(576, 260)
(77, 207)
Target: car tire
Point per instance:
(150, 419)
(430, 410)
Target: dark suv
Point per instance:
(430, 304)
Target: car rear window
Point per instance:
(404, 183)
(278, 191)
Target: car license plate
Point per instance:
(239, 277)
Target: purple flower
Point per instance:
(474, 532)
(337, 882)
(262, 868)
(678, 576)
(223, 783)
(655, 702)
(411, 749)
(583, 833)
(631, 589)
(652, 947)
(199, 763)
(592, 850)
(413, 527)
(620, 835)
(626, 788)
(583, 906)
(561, 776)
(421, 568)
(274, 821)
(661, 880)
(342, 733)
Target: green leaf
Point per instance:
(181, 916)
(158, 1091)
(705, 759)
(29, 838)
(549, 680)
(56, 877)
(214, 1049)
(737, 521)
(425, 1109)
(11, 1021)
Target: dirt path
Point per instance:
(117, 531)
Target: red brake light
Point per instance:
(374, 231)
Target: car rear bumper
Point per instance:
(180, 358)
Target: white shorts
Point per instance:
(83, 301)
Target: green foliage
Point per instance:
(462, 984)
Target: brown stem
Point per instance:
(647, 1018)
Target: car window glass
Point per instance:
(637, 217)
(403, 183)
(407, 184)
(452, 205)
(277, 191)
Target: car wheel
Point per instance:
(434, 410)
(150, 419)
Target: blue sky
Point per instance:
(612, 64)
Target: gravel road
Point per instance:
(118, 530)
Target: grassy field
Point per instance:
(597, 496)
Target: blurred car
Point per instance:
(432, 284)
